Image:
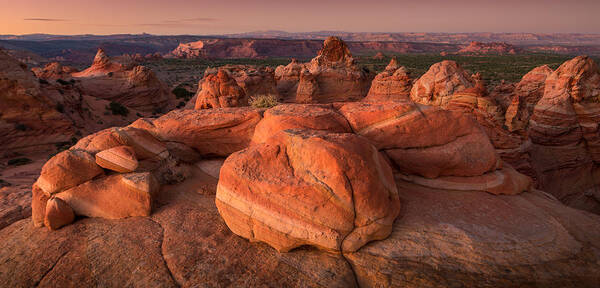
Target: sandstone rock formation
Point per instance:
(54, 71)
(288, 77)
(331, 76)
(120, 159)
(28, 118)
(220, 90)
(394, 83)
(336, 76)
(234, 86)
(429, 146)
(513, 241)
(565, 135)
(58, 214)
(332, 191)
(500, 48)
(439, 83)
(318, 117)
(213, 132)
(133, 86)
(526, 94)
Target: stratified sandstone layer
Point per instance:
(330, 77)
(565, 135)
(28, 118)
(393, 84)
(130, 85)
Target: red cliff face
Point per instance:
(489, 48)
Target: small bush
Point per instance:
(21, 127)
(42, 81)
(264, 101)
(19, 161)
(60, 107)
(63, 82)
(117, 109)
(182, 93)
(4, 184)
(110, 74)
(180, 105)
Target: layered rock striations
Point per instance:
(393, 84)
(565, 136)
(439, 83)
(134, 86)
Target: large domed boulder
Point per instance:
(321, 117)
(565, 136)
(424, 140)
(211, 132)
(220, 90)
(301, 187)
(393, 84)
(54, 71)
(439, 83)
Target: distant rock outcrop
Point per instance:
(54, 71)
(219, 90)
(332, 76)
(489, 48)
(28, 118)
(134, 86)
(393, 84)
(439, 83)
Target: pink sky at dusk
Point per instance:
(232, 16)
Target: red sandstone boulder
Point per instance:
(67, 169)
(565, 135)
(211, 132)
(332, 191)
(440, 82)
(120, 159)
(393, 84)
(219, 91)
(113, 197)
(58, 214)
(424, 140)
(300, 116)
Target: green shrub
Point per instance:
(117, 109)
(60, 107)
(19, 161)
(182, 93)
(264, 101)
(42, 81)
(21, 127)
(63, 82)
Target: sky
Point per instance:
(234, 16)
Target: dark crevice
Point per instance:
(162, 242)
(353, 220)
(51, 268)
